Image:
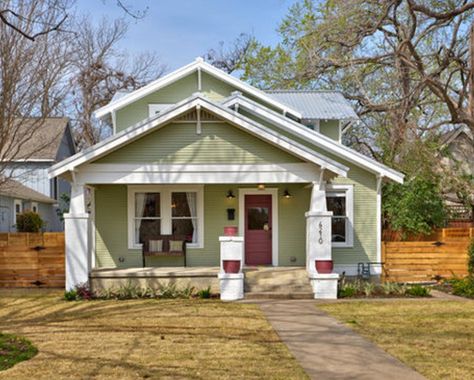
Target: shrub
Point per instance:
(415, 207)
(29, 221)
(368, 288)
(80, 292)
(463, 287)
(205, 293)
(470, 263)
(417, 291)
(349, 289)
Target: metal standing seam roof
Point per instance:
(316, 104)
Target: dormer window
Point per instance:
(154, 109)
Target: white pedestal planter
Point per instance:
(231, 277)
(324, 285)
(232, 286)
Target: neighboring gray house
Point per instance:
(28, 186)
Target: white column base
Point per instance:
(324, 285)
(232, 286)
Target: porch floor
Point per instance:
(155, 272)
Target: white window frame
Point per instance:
(348, 192)
(166, 213)
(33, 205)
(15, 203)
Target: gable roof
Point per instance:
(450, 136)
(148, 125)
(42, 143)
(315, 137)
(122, 100)
(14, 189)
(316, 104)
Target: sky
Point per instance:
(181, 30)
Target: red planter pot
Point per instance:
(230, 231)
(231, 266)
(324, 266)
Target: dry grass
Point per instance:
(143, 339)
(434, 337)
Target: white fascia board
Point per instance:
(198, 64)
(315, 137)
(130, 134)
(208, 68)
(146, 90)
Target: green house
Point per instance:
(198, 151)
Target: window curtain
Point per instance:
(140, 202)
(191, 198)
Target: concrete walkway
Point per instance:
(325, 348)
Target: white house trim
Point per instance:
(314, 137)
(132, 133)
(19, 203)
(348, 191)
(379, 221)
(165, 207)
(197, 66)
(275, 237)
(197, 173)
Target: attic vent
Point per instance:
(154, 109)
(192, 116)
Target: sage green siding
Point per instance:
(111, 227)
(329, 128)
(218, 143)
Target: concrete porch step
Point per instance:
(280, 280)
(278, 295)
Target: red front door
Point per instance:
(258, 229)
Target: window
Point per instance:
(34, 207)
(163, 210)
(147, 217)
(340, 202)
(18, 209)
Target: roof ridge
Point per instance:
(301, 91)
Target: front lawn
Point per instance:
(139, 339)
(436, 337)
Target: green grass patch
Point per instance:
(14, 349)
(436, 338)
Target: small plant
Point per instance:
(80, 292)
(369, 288)
(463, 287)
(349, 289)
(29, 221)
(417, 291)
(205, 293)
(70, 295)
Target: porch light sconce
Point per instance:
(287, 194)
(261, 186)
(230, 195)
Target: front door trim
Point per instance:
(269, 191)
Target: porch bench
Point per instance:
(151, 247)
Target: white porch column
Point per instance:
(318, 245)
(76, 229)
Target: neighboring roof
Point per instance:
(449, 136)
(134, 132)
(316, 104)
(314, 137)
(38, 139)
(123, 100)
(14, 189)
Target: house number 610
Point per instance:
(320, 241)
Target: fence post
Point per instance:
(443, 234)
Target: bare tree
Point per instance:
(101, 70)
(32, 78)
(28, 19)
(232, 58)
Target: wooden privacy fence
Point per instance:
(422, 261)
(32, 259)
